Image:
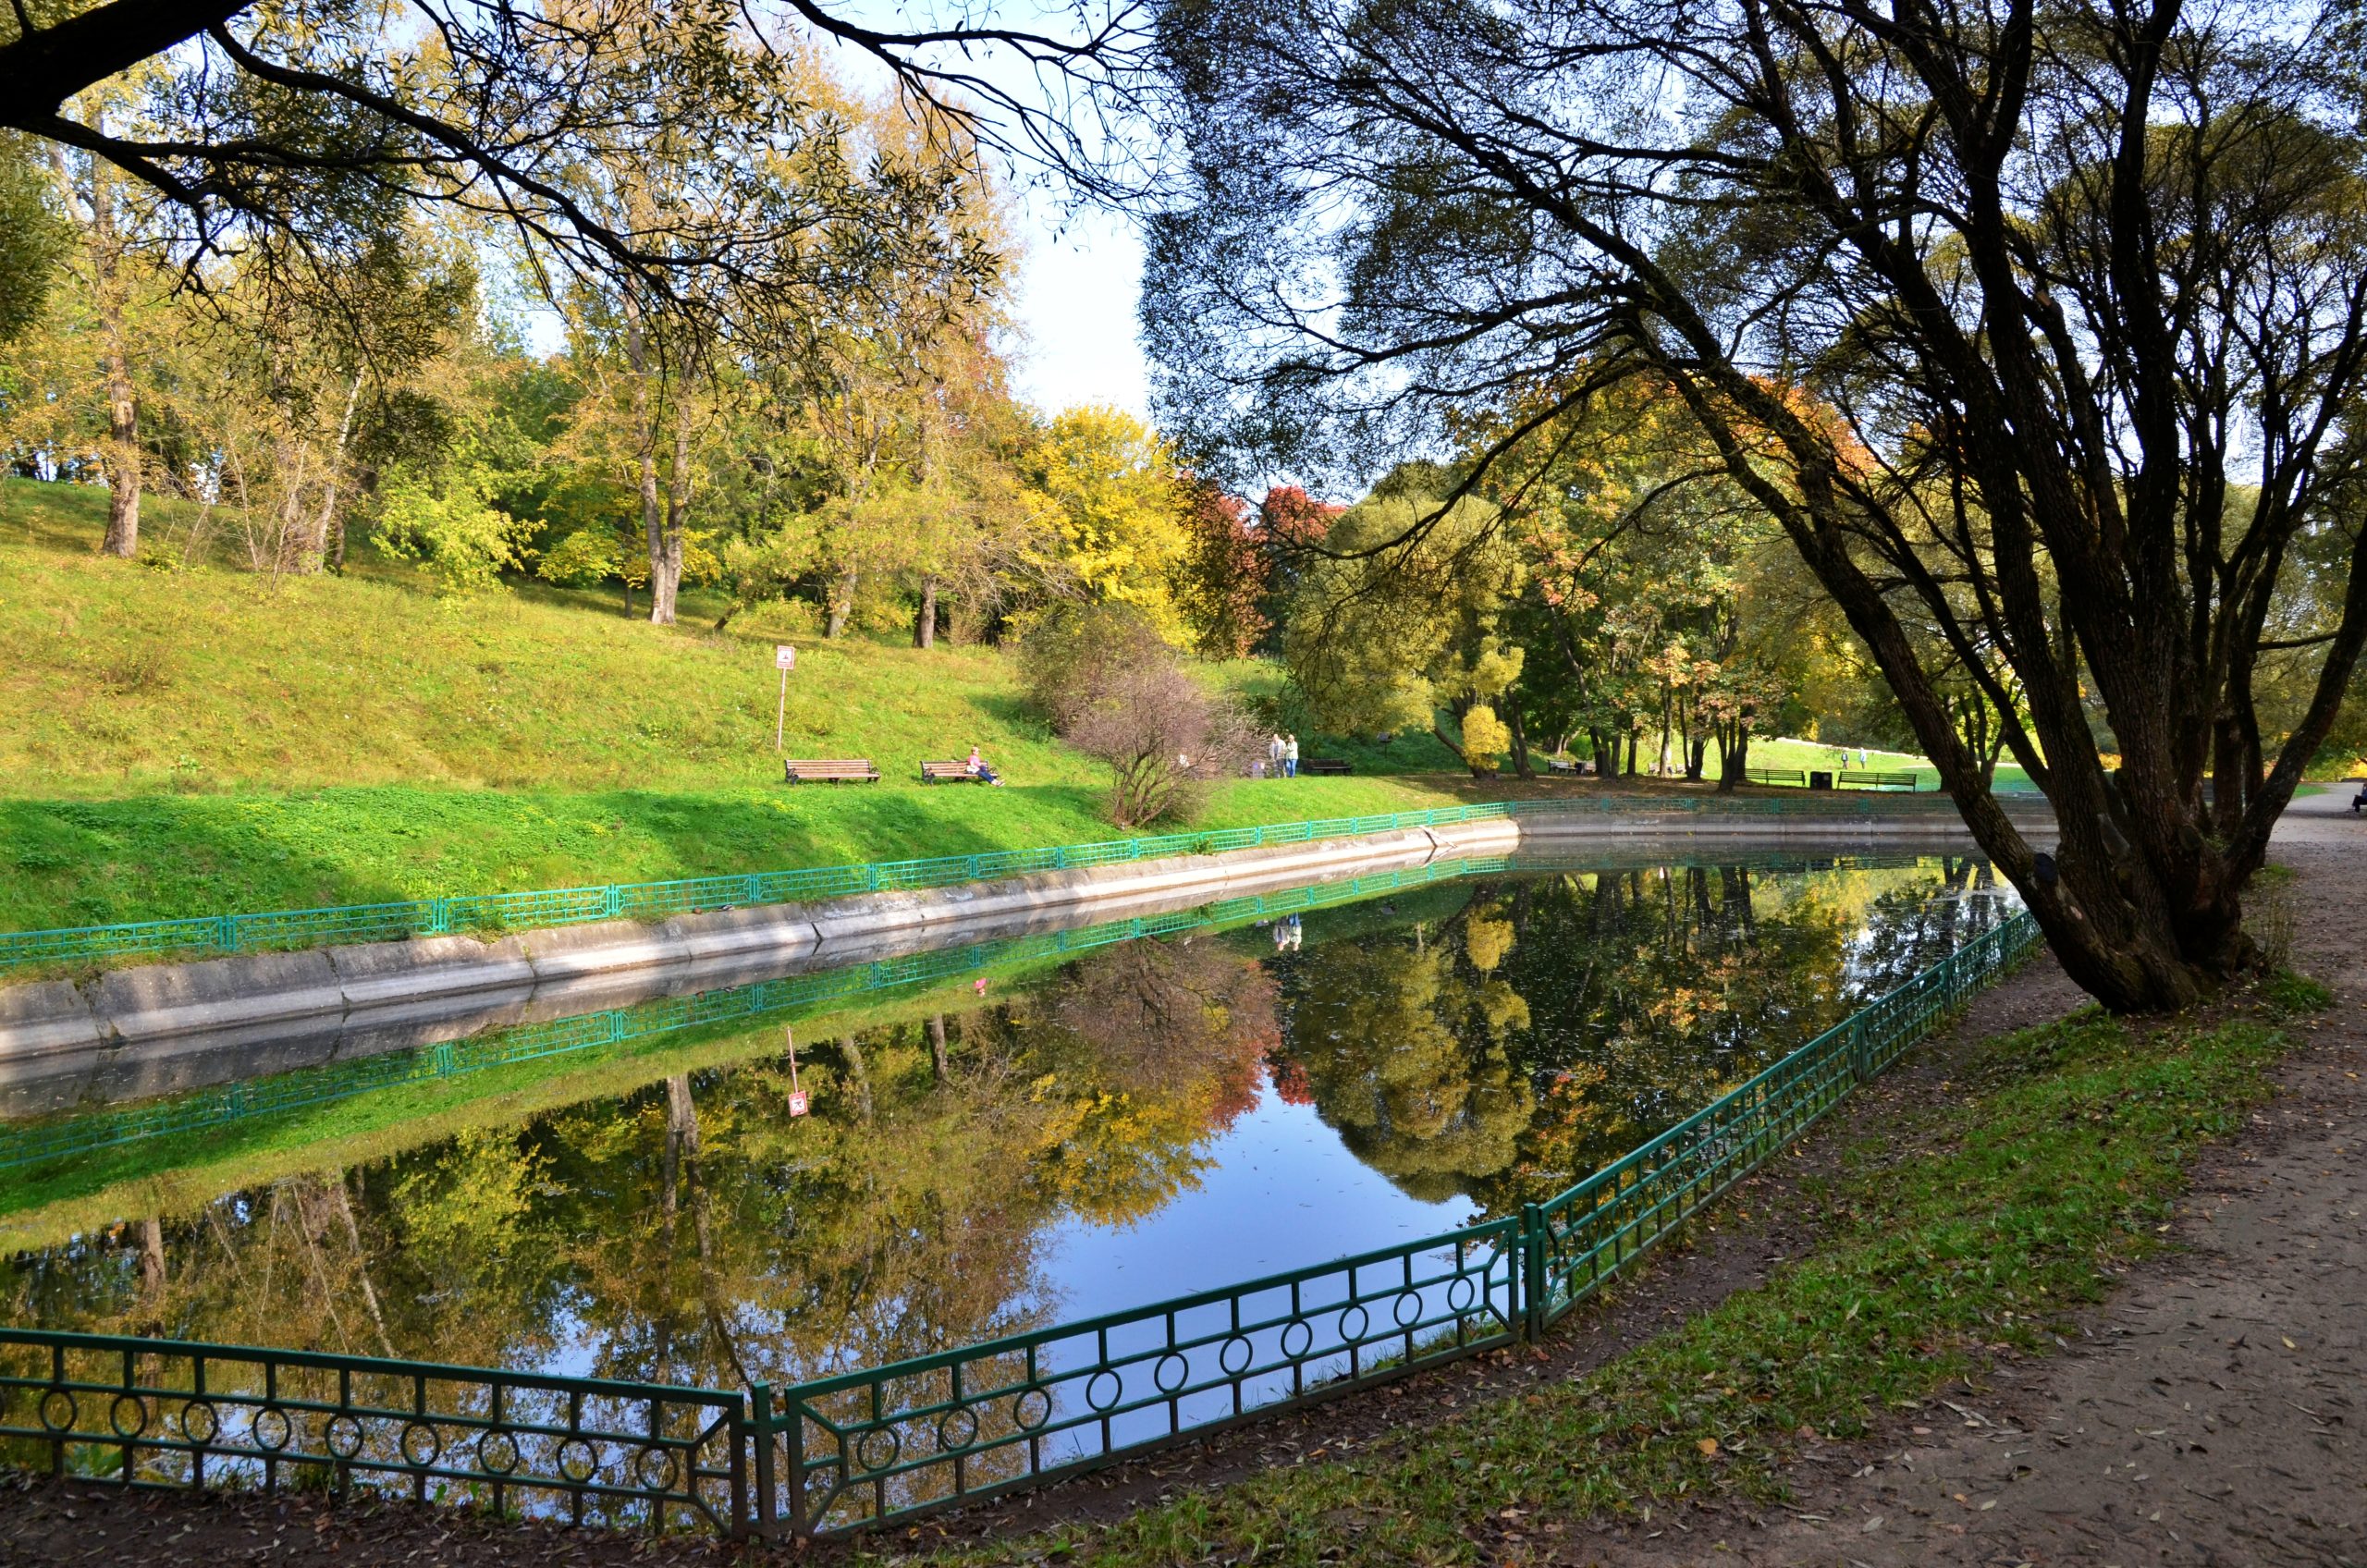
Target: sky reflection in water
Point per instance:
(1152, 1119)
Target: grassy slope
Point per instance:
(1972, 1228)
(198, 739)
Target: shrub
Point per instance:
(1116, 691)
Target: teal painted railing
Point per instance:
(848, 1453)
(178, 1413)
(275, 930)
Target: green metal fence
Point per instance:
(177, 1413)
(850, 1451)
(878, 1445)
(843, 1453)
(280, 929)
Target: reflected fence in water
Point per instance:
(37, 1142)
(490, 914)
(841, 1453)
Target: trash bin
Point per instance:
(1820, 780)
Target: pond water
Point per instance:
(997, 1153)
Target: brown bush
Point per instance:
(1116, 692)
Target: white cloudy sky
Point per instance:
(1078, 285)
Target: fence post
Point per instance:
(760, 1428)
(228, 937)
(1536, 1292)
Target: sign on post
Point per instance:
(784, 660)
(798, 1102)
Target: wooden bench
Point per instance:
(1320, 766)
(949, 773)
(1565, 764)
(1876, 781)
(829, 770)
(1795, 777)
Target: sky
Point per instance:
(1078, 286)
(1081, 274)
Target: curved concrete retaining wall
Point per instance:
(162, 1028)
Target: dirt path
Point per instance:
(2215, 1412)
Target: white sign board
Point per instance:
(798, 1103)
(784, 656)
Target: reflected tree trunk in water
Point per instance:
(152, 1262)
(362, 1267)
(679, 1153)
(937, 1045)
(851, 1048)
(1737, 897)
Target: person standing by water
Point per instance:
(1274, 753)
(1289, 756)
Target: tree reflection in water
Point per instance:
(1515, 1035)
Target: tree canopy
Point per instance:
(2040, 332)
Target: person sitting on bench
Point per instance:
(980, 770)
(2359, 801)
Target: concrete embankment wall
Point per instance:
(161, 1028)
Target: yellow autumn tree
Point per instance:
(1110, 488)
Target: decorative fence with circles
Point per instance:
(842, 1453)
(212, 935)
(174, 1413)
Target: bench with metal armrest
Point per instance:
(1792, 777)
(1321, 765)
(950, 773)
(1876, 780)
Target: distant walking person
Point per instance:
(1289, 756)
(1274, 753)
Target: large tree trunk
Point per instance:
(666, 544)
(842, 589)
(328, 530)
(924, 624)
(119, 460)
(1734, 757)
(645, 444)
(151, 1260)
(1521, 764)
(851, 1051)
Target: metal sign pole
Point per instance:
(798, 1103)
(784, 660)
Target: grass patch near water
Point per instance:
(97, 862)
(1965, 1232)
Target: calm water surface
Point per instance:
(1156, 1117)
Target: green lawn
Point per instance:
(189, 740)
(1810, 755)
